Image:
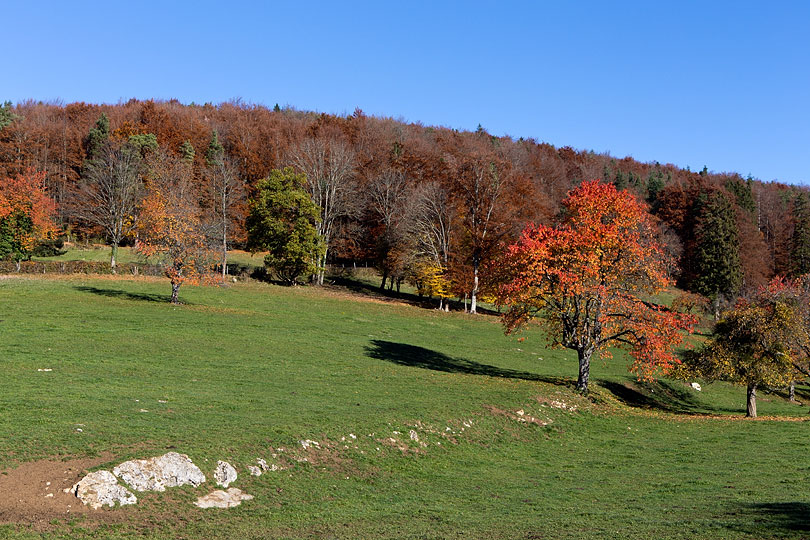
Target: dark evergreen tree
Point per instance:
(97, 136)
(716, 258)
(216, 152)
(187, 151)
(6, 116)
(655, 183)
(800, 239)
(743, 193)
(620, 182)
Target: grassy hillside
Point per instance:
(244, 371)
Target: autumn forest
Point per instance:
(394, 194)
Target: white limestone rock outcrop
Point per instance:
(223, 499)
(224, 474)
(101, 488)
(158, 473)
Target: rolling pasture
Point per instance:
(428, 424)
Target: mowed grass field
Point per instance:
(249, 370)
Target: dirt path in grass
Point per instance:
(32, 493)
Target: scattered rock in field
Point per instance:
(224, 474)
(413, 435)
(254, 470)
(223, 499)
(101, 488)
(562, 405)
(45, 369)
(306, 443)
(695, 386)
(158, 473)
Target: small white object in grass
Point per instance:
(162, 401)
(79, 429)
(143, 410)
(224, 474)
(695, 386)
(262, 463)
(254, 471)
(45, 369)
(413, 435)
(352, 435)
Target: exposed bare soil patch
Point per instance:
(33, 493)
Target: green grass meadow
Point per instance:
(241, 371)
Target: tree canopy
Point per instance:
(282, 220)
(587, 280)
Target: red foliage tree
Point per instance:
(585, 278)
(26, 214)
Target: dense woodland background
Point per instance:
(400, 192)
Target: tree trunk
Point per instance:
(175, 291)
(113, 256)
(384, 279)
(224, 256)
(752, 401)
(474, 292)
(322, 269)
(716, 307)
(792, 391)
(584, 370)
(224, 235)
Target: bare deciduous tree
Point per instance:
(226, 194)
(388, 200)
(480, 184)
(109, 193)
(329, 166)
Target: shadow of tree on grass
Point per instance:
(772, 519)
(662, 395)
(117, 293)
(420, 357)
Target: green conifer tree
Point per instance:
(716, 259)
(800, 239)
(97, 136)
(743, 193)
(216, 152)
(187, 151)
(6, 116)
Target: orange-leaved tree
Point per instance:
(589, 279)
(26, 214)
(170, 230)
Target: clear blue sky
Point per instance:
(721, 84)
